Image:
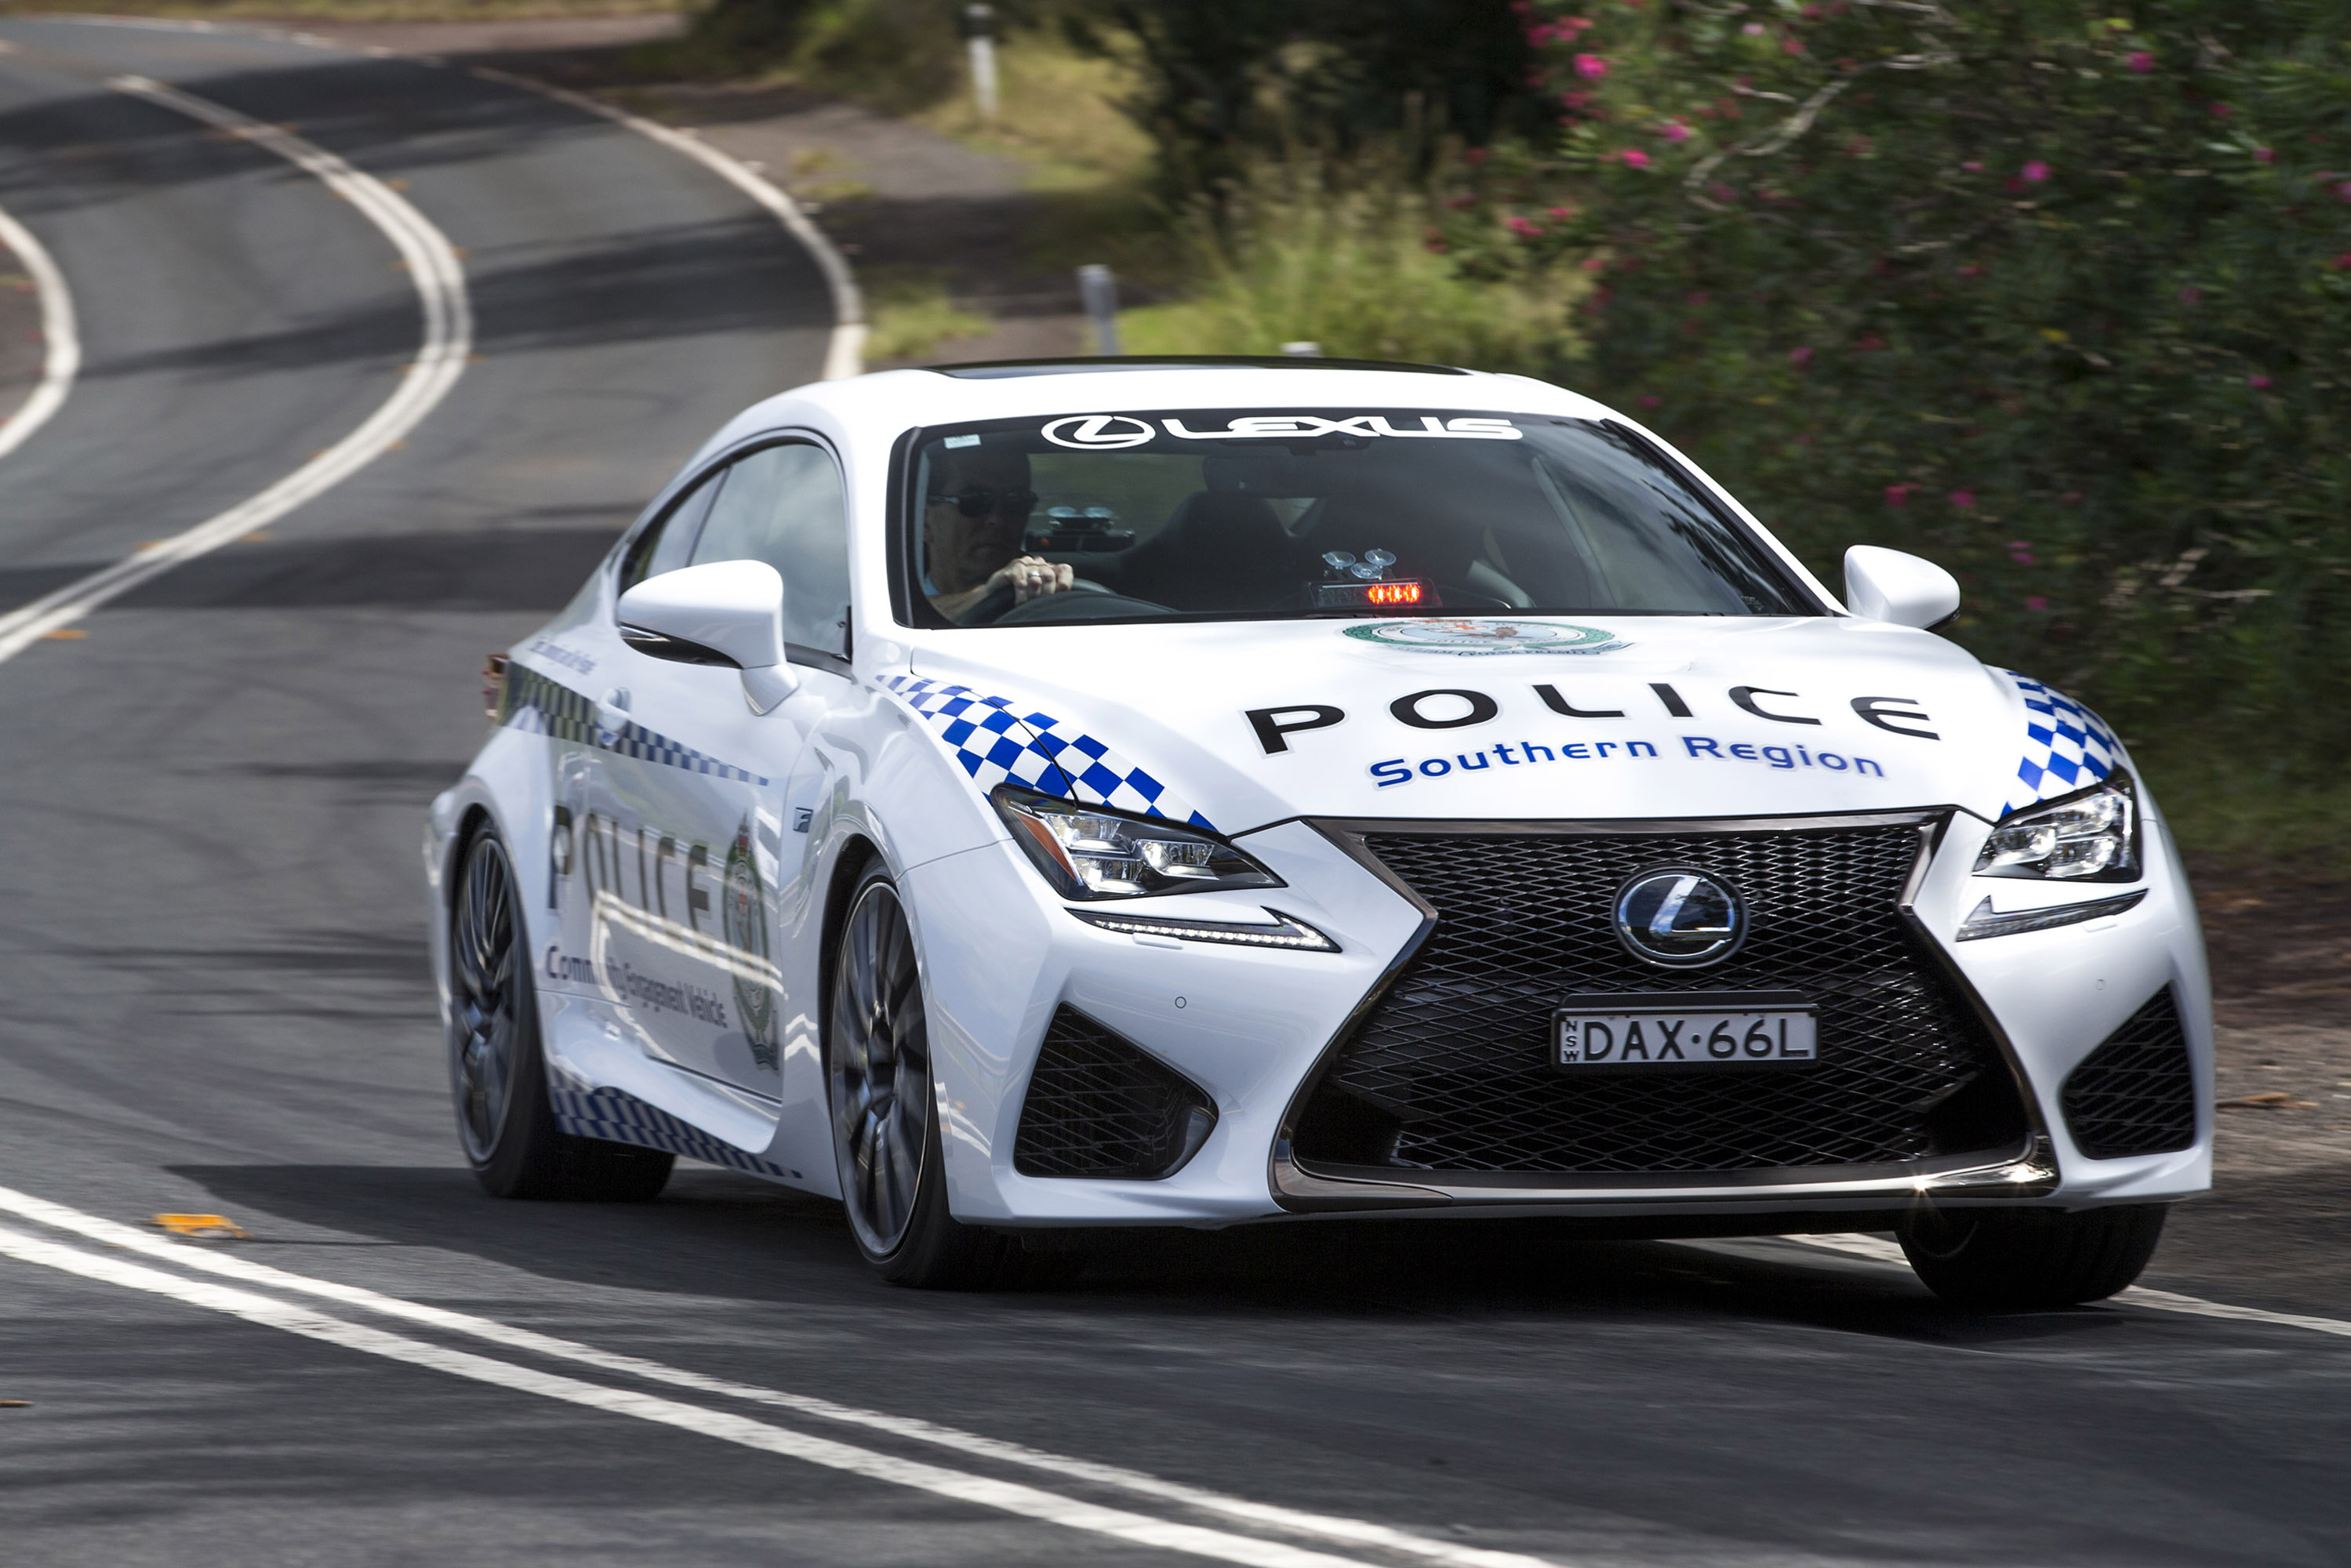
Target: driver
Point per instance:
(973, 520)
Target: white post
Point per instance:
(1098, 289)
(978, 22)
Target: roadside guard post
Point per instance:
(1098, 289)
(980, 37)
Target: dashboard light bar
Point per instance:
(1291, 932)
(1396, 595)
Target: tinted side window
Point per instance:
(667, 545)
(783, 505)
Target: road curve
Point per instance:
(216, 1003)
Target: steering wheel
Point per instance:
(997, 608)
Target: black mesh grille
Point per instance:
(1097, 1106)
(1450, 1069)
(2136, 1095)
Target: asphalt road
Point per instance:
(215, 1000)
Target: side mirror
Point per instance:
(1887, 585)
(727, 613)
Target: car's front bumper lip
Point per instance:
(2029, 1172)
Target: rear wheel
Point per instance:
(2011, 1260)
(497, 1072)
(885, 1132)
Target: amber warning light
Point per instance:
(1391, 595)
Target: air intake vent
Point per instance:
(1099, 1107)
(2136, 1095)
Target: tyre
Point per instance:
(885, 1134)
(2011, 1260)
(497, 1072)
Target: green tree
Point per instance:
(2059, 298)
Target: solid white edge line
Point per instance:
(1007, 1497)
(844, 354)
(61, 336)
(1855, 1244)
(1352, 1532)
(448, 339)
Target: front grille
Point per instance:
(2136, 1095)
(1450, 1071)
(1098, 1106)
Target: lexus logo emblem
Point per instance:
(1680, 917)
(1098, 431)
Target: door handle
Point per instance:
(612, 709)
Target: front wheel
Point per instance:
(885, 1134)
(2015, 1259)
(497, 1073)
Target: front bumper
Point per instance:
(1259, 1032)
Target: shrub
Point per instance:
(2060, 300)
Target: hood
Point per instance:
(1235, 725)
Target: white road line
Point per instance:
(1344, 1530)
(1008, 1496)
(448, 338)
(845, 353)
(1885, 1251)
(62, 360)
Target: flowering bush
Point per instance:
(2061, 300)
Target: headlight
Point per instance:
(1088, 853)
(2092, 836)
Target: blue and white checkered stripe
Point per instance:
(619, 1118)
(998, 744)
(539, 705)
(2067, 746)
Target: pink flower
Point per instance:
(2222, 111)
(2020, 544)
(2022, 557)
(1476, 155)
(1595, 264)
(1676, 132)
(2258, 383)
(1800, 358)
(2141, 61)
(1791, 46)
(1560, 212)
(1651, 400)
(2343, 190)
(2072, 497)
(1591, 67)
(1753, 29)
(1972, 270)
(2342, 263)
(2032, 174)
(2190, 295)
(1897, 494)
(2037, 603)
(1575, 100)
(1525, 228)
(1699, 300)
(1634, 158)
(2265, 154)
(1963, 498)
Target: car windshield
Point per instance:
(1235, 514)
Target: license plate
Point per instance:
(1662, 1032)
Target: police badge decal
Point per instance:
(744, 913)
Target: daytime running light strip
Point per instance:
(1983, 923)
(1292, 933)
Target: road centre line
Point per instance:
(1338, 1529)
(1854, 1244)
(60, 336)
(1008, 1496)
(448, 338)
(845, 350)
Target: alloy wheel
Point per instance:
(881, 1071)
(483, 985)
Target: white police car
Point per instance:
(1125, 793)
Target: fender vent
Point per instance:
(1099, 1107)
(2136, 1095)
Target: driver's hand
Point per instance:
(1032, 577)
